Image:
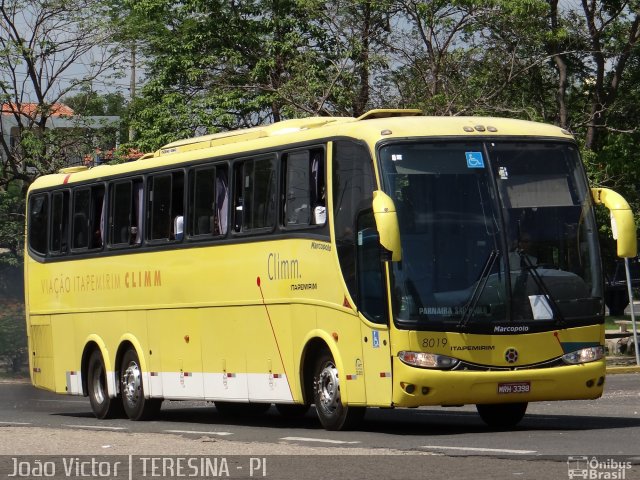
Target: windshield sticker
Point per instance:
(474, 159)
(504, 173)
(540, 307)
(396, 156)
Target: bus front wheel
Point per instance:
(333, 415)
(102, 405)
(135, 405)
(502, 415)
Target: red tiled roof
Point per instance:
(31, 109)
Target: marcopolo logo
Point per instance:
(511, 329)
(596, 468)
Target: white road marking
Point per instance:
(319, 440)
(95, 427)
(482, 450)
(222, 434)
(15, 423)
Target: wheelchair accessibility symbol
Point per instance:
(474, 159)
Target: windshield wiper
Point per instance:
(479, 289)
(533, 269)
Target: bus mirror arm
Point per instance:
(622, 222)
(384, 212)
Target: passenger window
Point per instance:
(209, 199)
(166, 206)
(87, 224)
(126, 213)
(59, 223)
(160, 200)
(81, 214)
(38, 216)
(254, 194)
(304, 189)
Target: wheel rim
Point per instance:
(328, 387)
(131, 383)
(98, 386)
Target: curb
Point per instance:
(623, 369)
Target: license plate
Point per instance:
(514, 387)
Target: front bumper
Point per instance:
(414, 387)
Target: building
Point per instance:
(13, 116)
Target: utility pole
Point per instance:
(132, 85)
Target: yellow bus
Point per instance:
(390, 260)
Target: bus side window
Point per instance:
(297, 189)
(166, 206)
(126, 213)
(220, 219)
(318, 190)
(59, 223)
(120, 214)
(255, 194)
(201, 200)
(208, 201)
(96, 220)
(304, 188)
(237, 196)
(80, 222)
(38, 216)
(136, 216)
(159, 207)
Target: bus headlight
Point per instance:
(427, 360)
(584, 355)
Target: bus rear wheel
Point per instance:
(502, 415)
(135, 405)
(333, 415)
(102, 405)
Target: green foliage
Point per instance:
(212, 65)
(11, 225)
(217, 65)
(13, 341)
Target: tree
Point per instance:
(48, 49)
(89, 103)
(13, 341)
(274, 59)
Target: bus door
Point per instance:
(374, 312)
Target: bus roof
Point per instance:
(371, 127)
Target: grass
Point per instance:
(4, 375)
(609, 321)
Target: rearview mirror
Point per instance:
(622, 223)
(384, 211)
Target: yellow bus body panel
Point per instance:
(232, 320)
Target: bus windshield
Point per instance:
(492, 232)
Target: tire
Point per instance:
(103, 406)
(237, 409)
(292, 410)
(502, 415)
(333, 415)
(135, 405)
